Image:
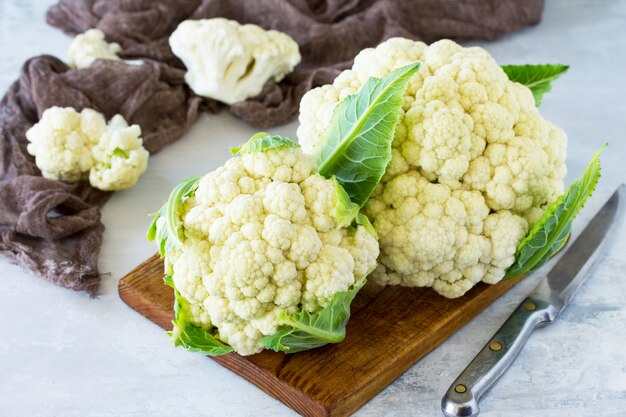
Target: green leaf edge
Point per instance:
(262, 142)
(169, 237)
(540, 87)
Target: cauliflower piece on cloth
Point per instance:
(62, 140)
(119, 157)
(473, 165)
(86, 47)
(230, 62)
(260, 238)
(72, 146)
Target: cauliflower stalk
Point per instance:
(87, 47)
(474, 164)
(230, 62)
(263, 252)
(71, 146)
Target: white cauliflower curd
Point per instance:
(71, 146)
(230, 62)
(473, 166)
(86, 47)
(260, 238)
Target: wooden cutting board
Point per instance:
(390, 330)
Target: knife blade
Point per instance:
(540, 308)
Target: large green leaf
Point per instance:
(550, 232)
(169, 236)
(357, 143)
(536, 77)
(262, 142)
(305, 331)
(190, 337)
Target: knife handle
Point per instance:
(494, 359)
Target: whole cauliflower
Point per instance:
(230, 62)
(264, 236)
(473, 164)
(71, 146)
(86, 47)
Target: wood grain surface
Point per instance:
(390, 330)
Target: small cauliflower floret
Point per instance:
(363, 247)
(504, 230)
(278, 232)
(331, 272)
(188, 270)
(438, 141)
(305, 246)
(474, 164)
(230, 62)
(244, 338)
(119, 157)
(285, 200)
(248, 257)
(320, 196)
(286, 165)
(513, 177)
(61, 142)
(73, 147)
(86, 47)
(199, 317)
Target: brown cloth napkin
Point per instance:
(329, 32)
(54, 227)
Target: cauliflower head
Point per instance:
(73, 147)
(230, 62)
(86, 47)
(264, 236)
(473, 166)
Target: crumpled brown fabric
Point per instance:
(329, 32)
(53, 227)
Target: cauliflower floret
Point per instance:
(286, 165)
(230, 62)
(473, 164)
(61, 142)
(119, 157)
(285, 200)
(363, 248)
(189, 268)
(73, 147)
(276, 248)
(504, 230)
(86, 47)
(320, 197)
(331, 272)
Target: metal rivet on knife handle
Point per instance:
(529, 305)
(495, 346)
(460, 388)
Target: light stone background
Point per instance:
(63, 354)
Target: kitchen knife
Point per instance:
(540, 308)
